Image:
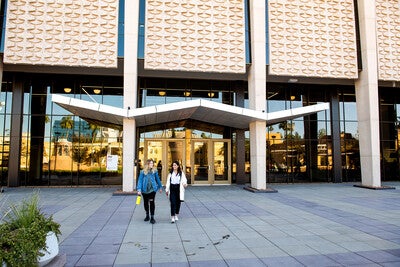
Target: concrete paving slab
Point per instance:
(300, 225)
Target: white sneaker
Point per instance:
(176, 218)
(172, 219)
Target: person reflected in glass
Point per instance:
(159, 167)
(175, 189)
(148, 184)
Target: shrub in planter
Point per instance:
(23, 232)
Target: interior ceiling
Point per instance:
(189, 124)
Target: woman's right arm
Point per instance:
(139, 183)
(168, 183)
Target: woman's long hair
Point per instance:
(179, 170)
(147, 169)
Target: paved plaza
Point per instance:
(300, 225)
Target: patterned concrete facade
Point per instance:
(195, 35)
(62, 33)
(312, 38)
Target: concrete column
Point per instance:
(16, 133)
(367, 97)
(257, 93)
(258, 155)
(38, 118)
(335, 133)
(240, 157)
(240, 139)
(130, 93)
(311, 141)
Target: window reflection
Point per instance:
(58, 148)
(301, 149)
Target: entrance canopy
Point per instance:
(199, 109)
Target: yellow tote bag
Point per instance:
(138, 199)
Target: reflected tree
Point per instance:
(67, 123)
(94, 128)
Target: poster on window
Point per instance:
(112, 162)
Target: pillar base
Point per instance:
(383, 187)
(255, 190)
(119, 192)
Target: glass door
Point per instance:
(175, 151)
(153, 150)
(200, 162)
(211, 161)
(221, 162)
(164, 152)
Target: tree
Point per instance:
(286, 127)
(94, 128)
(283, 125)
(321, 133)
(80, 154)
(67, 123)
(93, 132)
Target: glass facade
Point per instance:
(5, 129)
(58, 148)
(390, 133)
(300, 150)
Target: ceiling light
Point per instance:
(211, 94)
(186, 93)
(96, 91)
(162, 93)
(293, 80)
(292, 97)
(67, 90)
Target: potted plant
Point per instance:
(27, 234)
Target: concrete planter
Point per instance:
(50, 253)
(52, 249)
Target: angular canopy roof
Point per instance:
(199, 109)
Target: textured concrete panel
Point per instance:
(388, 34)
(312, 38)
(65, 33)
(196, 35)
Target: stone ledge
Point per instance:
(124, 193)
(255, 190)
(383, 187)
(58, 261)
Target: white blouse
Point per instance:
(175, 178)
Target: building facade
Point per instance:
(233, 89)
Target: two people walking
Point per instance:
(149, 183)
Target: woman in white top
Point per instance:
(175, 189)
